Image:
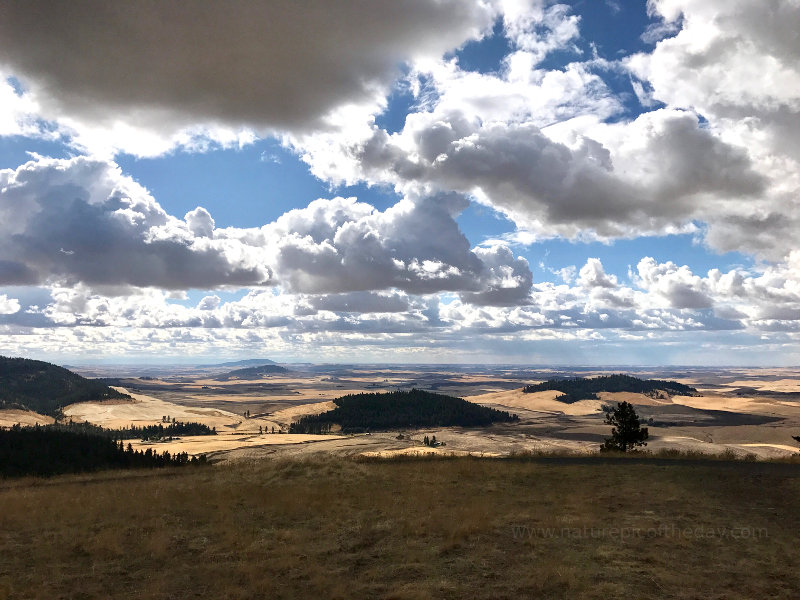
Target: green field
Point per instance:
(411, 528)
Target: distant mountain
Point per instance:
(252, 372)
(46, 388)
(249, 362)
(581, 388)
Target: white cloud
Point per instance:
(738, 65)
(8, 306)
(341, 245)
(537, 30)
(592, 275)
(665, 172)
(18, 111)
(676, 286)
(548, 148)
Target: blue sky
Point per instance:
(513, 181)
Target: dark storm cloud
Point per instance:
(281, 64)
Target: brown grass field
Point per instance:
(335, 527)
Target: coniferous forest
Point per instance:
(46, 388)
(582, 388)
(52, 450)
(357, 413)
(145, 432)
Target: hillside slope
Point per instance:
(45, 388)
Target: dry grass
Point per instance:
(559, 527)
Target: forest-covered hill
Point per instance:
(414, 408)
(253, 372)
(46, 388)
(582, 388)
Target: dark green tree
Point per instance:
(626, 432)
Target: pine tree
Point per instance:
(627, 432)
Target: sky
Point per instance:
(401, 181)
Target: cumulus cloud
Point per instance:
(666, 171)
(82, 220)
(169, 67)
(736, 63)
(593, 275)
(557, 153)
(506, 280)
(677, 286)
(342, 245)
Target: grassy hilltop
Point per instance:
(452, 528)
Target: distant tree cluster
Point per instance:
(52, 450)
(46, 388)
(357, 413)
(581, 388)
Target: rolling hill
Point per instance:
(45, 388)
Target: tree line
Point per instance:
(146, 433)
(357, 413)
(48, 450)
(581, 388)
